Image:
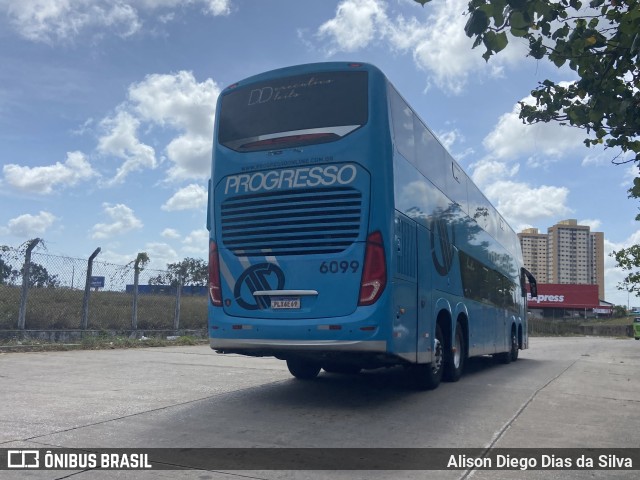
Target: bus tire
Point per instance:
(515, 346)
(455, 357)
(427, 376)
(503, 357)
(303, 369)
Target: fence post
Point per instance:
(134, 309)
(87, 291)
(25, 283)
(176, 315)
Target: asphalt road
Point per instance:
(562, 392)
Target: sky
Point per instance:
(107, 111)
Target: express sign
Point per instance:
(565, 296)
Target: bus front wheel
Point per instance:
(303, 369)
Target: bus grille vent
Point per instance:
(293, 222)
(406, 244)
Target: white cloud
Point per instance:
(520, 203)
(175, 102)
(594, 224)
(123, 221)
(171, 233)
(50, 21)
(176, 99)
(356, 24)
(30, 226)
(542, 142)
(487, 171)
(191, 156)
(160, 254)
(197, 243)
(191, 197)
(121, 140)
(45, 179)
(180, 101)
(213, 7)
(438, 43)
(441, 48)
(218, 7)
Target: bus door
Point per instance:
(405, 280)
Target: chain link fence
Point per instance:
(550, 327)
(72, 293)
(65, 293)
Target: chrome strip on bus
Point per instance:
(301, 293)
(328, 345)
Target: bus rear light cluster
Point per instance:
(215, 291)
(374, 273)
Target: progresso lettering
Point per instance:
(303, 177)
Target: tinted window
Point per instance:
(486, 285)
(292, 111)
(402, 118)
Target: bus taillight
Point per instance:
(374, 273)
(215, 292)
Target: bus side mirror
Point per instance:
(533, 284)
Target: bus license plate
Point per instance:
(284, 303)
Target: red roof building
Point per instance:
(574, 299)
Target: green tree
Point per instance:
(39, 276)
(628, 259)
(5, 272)
(192, 271)
(5, 268)
(619, 311)
(598, 40)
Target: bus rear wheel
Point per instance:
(427, 376)
(303, 369)
(455, 357)
(507, 357)
(515, 346)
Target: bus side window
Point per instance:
(402, 119)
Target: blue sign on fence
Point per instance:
(96, 282)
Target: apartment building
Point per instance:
(567, 254)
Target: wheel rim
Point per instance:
(436, 365)
(457, 351)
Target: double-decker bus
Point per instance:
(344, 236)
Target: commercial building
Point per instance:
(568, 254)
(568, 301)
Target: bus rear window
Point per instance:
(293, 111)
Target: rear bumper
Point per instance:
(270, 345)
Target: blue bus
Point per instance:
(343, 236)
